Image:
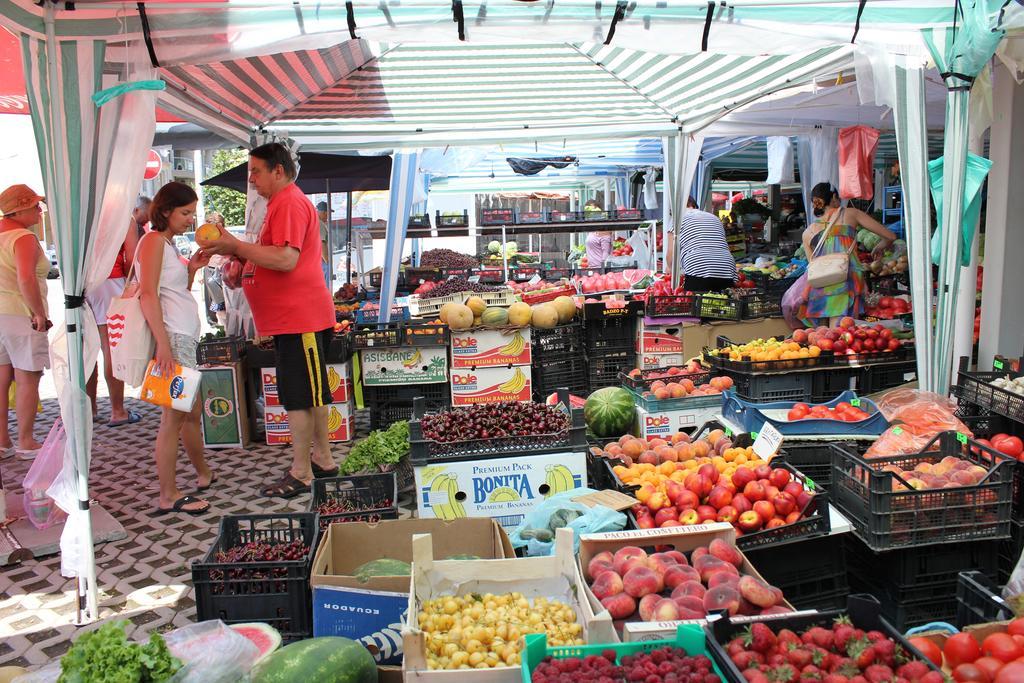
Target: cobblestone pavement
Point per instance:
(144, 578)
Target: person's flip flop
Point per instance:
(323, 473)
(132, 418)
(287, 487)
(213, 480)
(179, 506)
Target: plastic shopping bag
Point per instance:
(537, 530)
(795, 298)
(40, 508)
(12, 394)
(917, 416)
(977, 170)
(857, 146)
(212, 652)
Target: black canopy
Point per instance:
(344, 173)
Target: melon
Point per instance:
(609, 412)
(545, 316)
(207, 232)
(329, 659)
(263, 636)
(385, 566)
(494, 317)
(519, 314)
(460, 317)
(443, 314)
(477, 305)
(566, 308)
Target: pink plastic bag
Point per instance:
(792, 300)
(857, 146)
(39, 507)
(917, 416)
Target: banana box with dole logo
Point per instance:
(491, 348)
(491, 385)
(339, 381)
(504, 489)
(651, 361)
(662, 423)
(658, 338)
(341, 423)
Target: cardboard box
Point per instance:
(372, 611)
(504, 489)
(491, 348)
(491, 385)
(339, 381)
(658, 338)
(683, 539)
(650, 361)
(664, 423)
(552, 577)
(225, 418)
(341, 421)
(404, 365)
(746, 330)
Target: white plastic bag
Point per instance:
(591, 520)
(40, 508)
(212, 652)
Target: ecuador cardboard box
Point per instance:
(683, 539)
(491, 348)
(552, 577)
(371, 610)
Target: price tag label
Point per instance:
(897, 430)
(855, 402)
(728, 432)
(997, 364)
(811, 486)
(961, 437)
(767, 443)
(753, 435)
(535, 279)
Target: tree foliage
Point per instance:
(230, 203)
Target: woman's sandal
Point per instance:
(287, 487)
(179, 506)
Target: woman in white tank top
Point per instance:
(173, 317)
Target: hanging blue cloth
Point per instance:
(977, 170)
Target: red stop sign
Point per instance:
(153, 166)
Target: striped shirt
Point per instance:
(703, 251)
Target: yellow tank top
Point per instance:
(11, 301)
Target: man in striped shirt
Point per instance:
(704, 257)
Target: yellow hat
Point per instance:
(18, 198)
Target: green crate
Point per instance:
(689, 637)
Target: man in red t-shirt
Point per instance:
(290, 301)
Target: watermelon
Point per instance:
(330, 659)
(263, 636)
(609, 412)
(385, 566)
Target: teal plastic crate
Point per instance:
(689, 637)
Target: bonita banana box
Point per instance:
(491, 385)
(339, 381)
(504, 489)
(404, 365)
(490, 348)
(341, 423)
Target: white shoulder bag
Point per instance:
(131, 341)
(829, 269)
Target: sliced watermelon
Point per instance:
(263, 636)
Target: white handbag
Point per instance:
(131, 341)
(828, 269)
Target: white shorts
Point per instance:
(99, 298)
(21, 346)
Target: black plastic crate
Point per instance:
(671, 306)
(605, 365)
(416, 334)
(978, 600)
(640, 380)
(1010, 550)
(215, 351)
(568, 371)
(392, 403)
(555, 274)
(864, 612)
(886, 519)
(531, 216)
(605, 327)
(907, 615)
(814, 578)
(976, 387)
(376, 276)
(451, 220)
(383, 335)
(629, 214)
(340, 348)
(778, 286)
(366, 497)
(826, 384)
(812, 458)
(491, 276)
(558, 341)
(718, 307)
(914, 574)
(719, 358)
(276, 593)
(759, 304)
(497, 216)
(768, 387)
(564, 217)
(425, 451)
(815, 520)
(882, 376)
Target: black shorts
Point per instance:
(708, 284)
(301, 361)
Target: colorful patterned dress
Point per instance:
(843, 298)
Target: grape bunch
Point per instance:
(664, 665)
(446, 258)
(494, 420)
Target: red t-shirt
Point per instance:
(292, 302)
(120, 262)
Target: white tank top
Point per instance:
(180, 310)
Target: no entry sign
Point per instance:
(153, 165)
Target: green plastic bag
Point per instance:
(977, 171)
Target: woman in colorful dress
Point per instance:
(826, 305)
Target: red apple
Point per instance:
(707, 513)
(670, 522)
(762, 507)
(687, 499)
(763, 471)
(742, 476)
(784, 503)
(779, 478)
(728, 514)
(749, 521)
(754, 491)
(793, 488)
(645, 522)
(709, 471)
(803, 499)
(689, 516)
(674, 489)
(665, 514)
(741, 503)
(774, 522)
(719, 497)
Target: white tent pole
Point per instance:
(77, 440)
(966, 304)
(197, 169)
